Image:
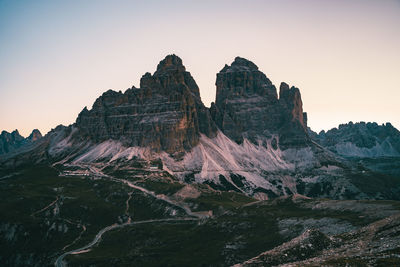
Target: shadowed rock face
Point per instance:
(362, 140)
(247, 106)
(165, 113)
(10, 142)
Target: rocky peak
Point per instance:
(362, 139)
(242, 63)
(170, 74)
(283, 90)
(242, 79)
(16, 136)
(35, 135)
(165, 113)
(12, 141)
(169, 64)
(291, 100)
(247, 105)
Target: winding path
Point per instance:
(59, 262)
(194, 216)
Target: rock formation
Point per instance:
(250, 140)
(35, 135)
(247, 106)
(165, 113)
(362, 140)
(10, 142)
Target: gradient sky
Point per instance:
(58, 56)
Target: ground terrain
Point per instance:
(90, 214)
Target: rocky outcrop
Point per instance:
(362, 140)
(35, 135)
(247, 105)
(294, 121)
(165, 113)
(10, 142)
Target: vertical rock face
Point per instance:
(294, 121)
(247, 106)
(246, 101)
(165, 113)
(243, 79)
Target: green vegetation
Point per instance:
(219, 201)
(161, 187)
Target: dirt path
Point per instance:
(96, 172)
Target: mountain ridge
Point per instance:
(10, 142)
(249, 140)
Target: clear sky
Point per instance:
(58, 56)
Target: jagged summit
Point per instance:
(362, 139)
(249, 140)
(170, 74)
(35, 135)
(170, 63)
(242, 78)
(247, 105)
(164, 114)
(290, 98)
(10, 142)
(242, 62)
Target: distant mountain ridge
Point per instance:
(10, 142)
(362, 140)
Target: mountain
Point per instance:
(363, 140)
(10, 142)
(247, 106)
(164, 114)
(152, 177)
(377, 147)
(249, 141)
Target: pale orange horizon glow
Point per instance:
(57, 58)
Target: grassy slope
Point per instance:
(236, 233)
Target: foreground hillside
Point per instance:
(84, 215)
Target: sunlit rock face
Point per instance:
(247, 105)
(165, 113)
(35, 135)
(293, 131)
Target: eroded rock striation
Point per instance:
(247, 105)
(165, 113)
